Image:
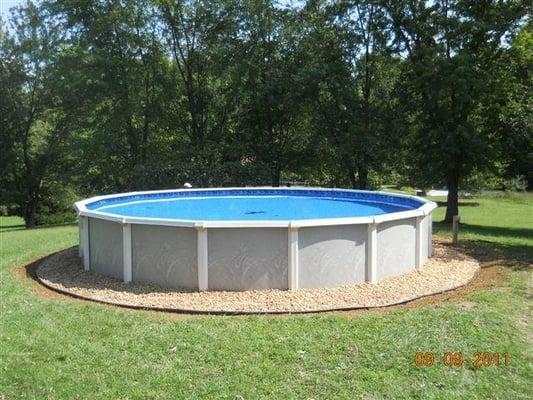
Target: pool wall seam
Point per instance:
(293, 247)
(127, 252)
(203, 258)
(86, 244)
(418, 242)
(372, 253)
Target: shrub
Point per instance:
(516, 184)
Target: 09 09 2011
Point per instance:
(479, 359)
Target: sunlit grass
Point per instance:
(70, 349)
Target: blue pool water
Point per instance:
(245, 208)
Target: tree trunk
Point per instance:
(275, 176)
(362, 177)
(350, 170)
(30, 213)
(452, 204)
(352, 177)
(272, 151)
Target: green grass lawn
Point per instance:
(495, 226)
(65, 349)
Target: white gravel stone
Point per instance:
(446, 270)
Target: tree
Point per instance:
(452, 47)
(355, 74)
(513, 117)
(124, 88)
(122, 95)
(35, 124)
(271, 105)
(195, 33)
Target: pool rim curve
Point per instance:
(426, 207)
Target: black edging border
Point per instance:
(39, 262)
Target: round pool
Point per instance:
(254, 238)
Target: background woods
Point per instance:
(114, 95)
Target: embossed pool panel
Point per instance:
(332, 256)
(164, 255)
(105, 240)
(247, 258)
(396, 247)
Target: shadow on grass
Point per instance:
(511, 254)
(520, 233)
(514, 256)
(496, 231)
(461, 204)
(20, 227)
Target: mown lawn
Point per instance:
(64, 349)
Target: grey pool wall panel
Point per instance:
(331, 256)
(106, 252)
(396, 247)
(164, 255)
(247, 258)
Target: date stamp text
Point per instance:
(457, 359)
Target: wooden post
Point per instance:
(455, 228)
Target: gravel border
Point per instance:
(448, 269)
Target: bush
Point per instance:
(56, 206)
(516, 184)
(478, 181)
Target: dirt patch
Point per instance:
(27, 274)
(445, 271)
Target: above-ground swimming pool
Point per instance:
(254, 238)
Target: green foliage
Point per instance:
(515, 117)
(56, 205)
(109, 96)
(478, 181)
(36, 126)
(516, 184)
(451, 83)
